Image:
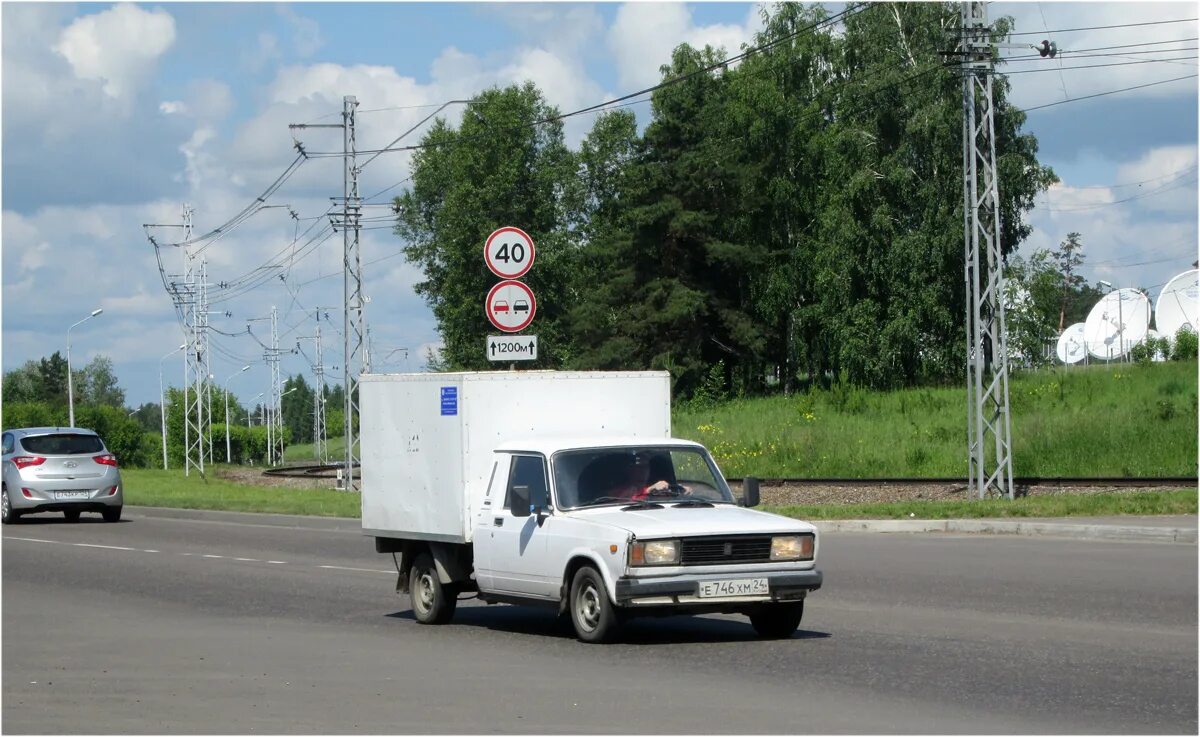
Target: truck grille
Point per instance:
(701, 551)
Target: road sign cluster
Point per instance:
(510, 305)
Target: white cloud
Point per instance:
(118, 46)
(644, 35)
(306, 33)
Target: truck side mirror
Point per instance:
(518, 501)
(749, 492)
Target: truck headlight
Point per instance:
(654, 553)
(792, 547)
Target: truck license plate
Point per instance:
(70, 495)
(734, 587)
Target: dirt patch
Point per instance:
(874, 493)
(255, 477)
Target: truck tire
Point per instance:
(777, 621)
(592, 614)
(432, 602)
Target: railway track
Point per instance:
(330, 471)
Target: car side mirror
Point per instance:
(750, 492)
(519, 501)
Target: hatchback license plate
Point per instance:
(734, 587)
(70, 495)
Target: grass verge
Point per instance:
(1118, 420)
(154, 488)
(1058, 505)
(157, 488)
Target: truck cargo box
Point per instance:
(428, 439)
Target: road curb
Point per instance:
(1035, 528)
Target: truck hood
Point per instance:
(673, 521)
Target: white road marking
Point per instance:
(277, 561)
(106, 547)
(150, 551)
(364, 570)
(249, 560)
(206, 555)
(29, 539)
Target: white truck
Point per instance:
(565, 489)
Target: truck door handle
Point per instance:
(499, 522)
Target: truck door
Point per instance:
(518, 544)
(482, 538)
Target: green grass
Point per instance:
(306, 452)
(1059, 505)
(1119, 420)
(172, 489)
(157, 488)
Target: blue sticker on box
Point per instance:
(449, 400)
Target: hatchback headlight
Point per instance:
(792, 547)
(654, 553)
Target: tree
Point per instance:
(498, 168)
(1068, 257)
(99, 385)
(297, 408)
(52, 379)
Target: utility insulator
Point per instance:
(1048, 49)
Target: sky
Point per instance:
(114, 115)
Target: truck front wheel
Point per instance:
(594, 616)
(432, 602)
(777, 621)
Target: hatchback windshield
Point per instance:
(62, 444)
(585, 478)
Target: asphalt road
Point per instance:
(248, 624)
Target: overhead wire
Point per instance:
(1111, 92)
(849, 11)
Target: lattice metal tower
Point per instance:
(192, 293)
(989, 445)
(353, 318)
(275, 411)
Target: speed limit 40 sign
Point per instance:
(509, 252)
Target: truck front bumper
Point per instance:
(683, 591)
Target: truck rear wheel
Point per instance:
(777, 621)
(592, 614)
(432, 601)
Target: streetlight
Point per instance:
(228, 452)
(162, 402)
(70, 383)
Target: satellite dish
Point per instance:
(1117, 323)
(1179, 304)
(1071, 348)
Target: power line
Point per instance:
(601, 106)
(1111, 92)
(1092, 66)
(1104, 28)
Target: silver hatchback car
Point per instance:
(59, 469)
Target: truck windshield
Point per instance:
(585, 478)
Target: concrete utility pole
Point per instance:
(989, 443)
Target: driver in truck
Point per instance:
(637, 485)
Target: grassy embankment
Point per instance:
(1120, 420)
(1097, 421)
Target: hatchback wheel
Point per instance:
(72, 515)
(8, 515)
(111, 514)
